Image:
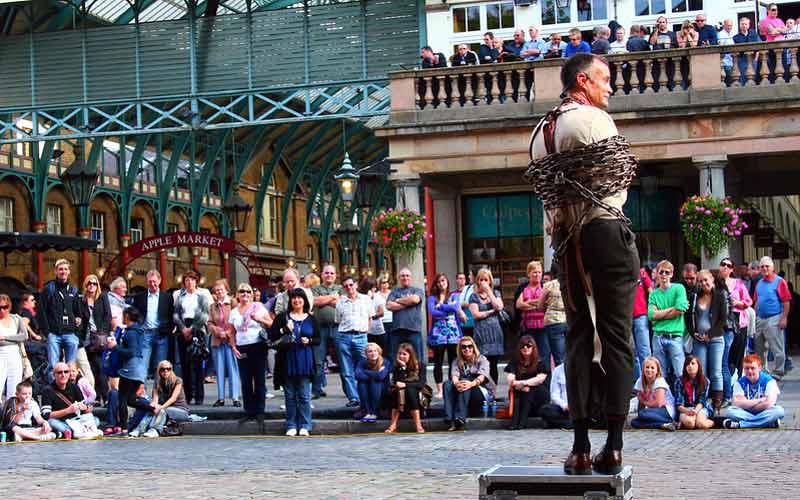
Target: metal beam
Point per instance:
(129, 15)
(277, 152)
(167, 181)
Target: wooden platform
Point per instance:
(503, 482)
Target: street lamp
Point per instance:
(348, 234)
(347, 178)
(237, 211)
(79, 180)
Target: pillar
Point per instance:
(711, 171)
(162, 269)
(407, 189)
(196, 259)
(430, 244)
(39, 227)
(125, 242)
(85, 233)
(226, 266)
(446, 232)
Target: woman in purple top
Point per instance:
(445, 332)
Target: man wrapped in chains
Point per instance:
(581, 168)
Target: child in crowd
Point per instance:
(372, 374)
(406, 383)
(656, 404)
(691, 396)
(23, 417)
(87, 389)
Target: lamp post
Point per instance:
(237, 211)
(79, 180)
(347, 179)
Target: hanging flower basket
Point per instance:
(708, 223)
(400, 232)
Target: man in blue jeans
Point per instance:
(326, 296)
(354, 313)
(666, 306)
(641, 324)
(156, 307)
(60, 316)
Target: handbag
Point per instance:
(97, 341)
(425, 396)
(84, 427)
(504, 317)
(198, 349)
(27, 368)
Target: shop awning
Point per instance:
(10, 242)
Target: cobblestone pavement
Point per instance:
(679, 465)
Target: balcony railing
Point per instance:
(659, 72)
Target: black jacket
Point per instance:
(278, 329)
(165, 310)
(719, 313)
(59, 305)
(101, 314)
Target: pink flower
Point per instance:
(737, 233)
(410, 226)
(691, 226)
(744, 225)
(390, 210)
(699, 209)
(725, 230)
(708, 212)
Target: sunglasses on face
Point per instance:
(467, 346)
(165, 369)
(92, 283)
(61, 372)
(726, 264)
(664, 272)
(526, 346)
(246, 292)
(4, 307)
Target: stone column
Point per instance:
(712, 181)
(445, 210)
(408, 195)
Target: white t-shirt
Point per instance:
(660, 383)
(189, 304)
(769, 391)
(247, 329)
(376, 327)
(618, 48)
(29, 414)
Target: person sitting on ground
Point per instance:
(87, 389)
(527, 375)
(372, 374)
(656, 404)
(755, 398)
(406, 383)
(469, 386)
(62, 400)
(691, 396)
(556, 412)
(22, 417)
(141, 424)
(170, 407)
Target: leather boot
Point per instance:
(716, 400)
(608, 461)
(578, 464)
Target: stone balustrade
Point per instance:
(676, 71)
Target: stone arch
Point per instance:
(177, 220)
(144, 211)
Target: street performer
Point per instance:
(581, 168)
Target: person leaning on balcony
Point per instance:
(464, 57)
(637, 41)
(555, 47)
(431, 59)
(725, 37)
(512, 51)
(772, 27)
(576, 43)
(687, 36)
(707, 35)
(533, 48)
(664, 38)
(746, 35)
(488, 53)
(618, 46)
(601, 45)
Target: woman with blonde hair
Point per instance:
(485, 306)
(469, 386)
(97, 325)
(170, 407)
(12, 334)
(372, 375)
(311, 280)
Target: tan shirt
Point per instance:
(579, 126)
(554, 307)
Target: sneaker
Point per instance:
(777, 424)
(150, 433)
(46, 437)
(726, 403)
(670, 427)
(730, 424)
(303, 433)
(369, 419)
(18, 438)
(270, 395)
(67, 435)
(291, 432)
(282, 407)
(134, 433)
(352, 403)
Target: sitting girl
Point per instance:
(76, 377)
(691, 396)
(406, 384)
(23, 418)
(527, 375)
(656, 405)
(372, 375)
(469, 386)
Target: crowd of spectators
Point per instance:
(710, 347)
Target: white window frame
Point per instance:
(172, 228)
(484, 19)
(98, 227)
(205, 252)
(55, 216)
(7, 214)
(269, 214)
(309, 252)
(137, 230)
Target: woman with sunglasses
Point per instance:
(469, 386)
(12, 334)
(295, 365)
(221, 330)
(736, 327)
(248, 319)
(97, 324)
(527, 376)
(705, 322)
(169, 401)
